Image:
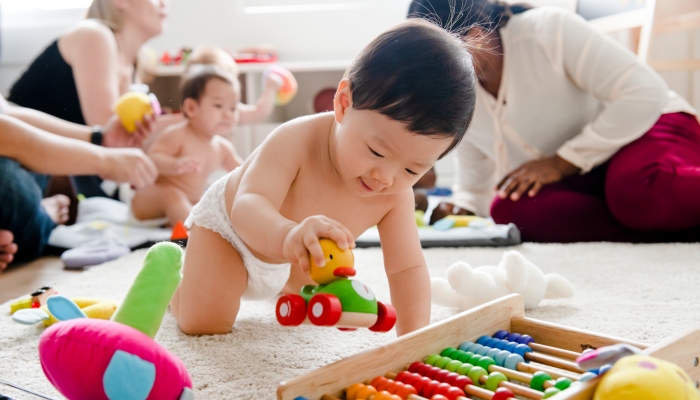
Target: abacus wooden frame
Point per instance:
(506, 313)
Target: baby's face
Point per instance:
(216, 113)
(377, 155)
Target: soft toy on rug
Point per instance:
(118, 359)
(467, 287)
(635, 376)
(33, 309)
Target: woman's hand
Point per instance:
(302, 240)
(116, 136)
(444, 209)
(129, 165)
(533, 175)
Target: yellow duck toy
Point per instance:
(336, 301)
(339, 264)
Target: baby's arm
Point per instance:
(258, 112)
(164, 153)
(230, 158)
(263, 188)
(409, 281)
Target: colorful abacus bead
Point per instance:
(359, 391)
(503, 394)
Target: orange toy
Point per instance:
(179, 234)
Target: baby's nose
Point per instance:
(383, 177)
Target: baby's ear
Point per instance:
(342, 100)
(189, 107)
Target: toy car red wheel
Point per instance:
(291, 310)
(386, 318)
(324, 309)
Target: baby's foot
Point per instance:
(7, 249)
(57, 207)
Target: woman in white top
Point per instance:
(573, 138)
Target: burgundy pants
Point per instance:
(649, 191)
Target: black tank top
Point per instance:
(48, 86)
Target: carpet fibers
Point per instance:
(642, 292)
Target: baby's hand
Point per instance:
(302, 240)
(188, 164)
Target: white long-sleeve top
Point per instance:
(566, 89)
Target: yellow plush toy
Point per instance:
(133, 106)
(93, 308)
(640, 377)
(636, 376)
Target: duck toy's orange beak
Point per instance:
(344, 272)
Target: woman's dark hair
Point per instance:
(198, 75)
(459, 16)
(418, 74)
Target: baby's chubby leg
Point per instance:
(213, 281)
(297, 279)
(158, 201)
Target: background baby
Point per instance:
(187, 153)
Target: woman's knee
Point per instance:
(643, 199)
(21, 212)
(504, 211)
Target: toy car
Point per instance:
(337, 301)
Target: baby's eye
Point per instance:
(218, 105)
(410, 172)
(375, 153)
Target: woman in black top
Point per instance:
(80, 76)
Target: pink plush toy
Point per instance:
(98, 359)
(119, 360)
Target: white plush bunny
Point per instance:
(467, 287)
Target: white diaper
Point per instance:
(265, 280)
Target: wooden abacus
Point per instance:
(554, 347)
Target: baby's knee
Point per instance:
(199, 325)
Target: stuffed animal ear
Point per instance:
(443, 295)
(558, 287)
(30, 316)
(515, 265)
(605, 355)
(63, 308)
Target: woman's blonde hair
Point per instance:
(106, 12)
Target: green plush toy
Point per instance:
(149, 296)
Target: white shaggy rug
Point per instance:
(642, 292)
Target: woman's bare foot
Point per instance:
(57, 207)
(7, 249)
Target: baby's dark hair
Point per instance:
(459, 16)
(194, 82)
(418, 74)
